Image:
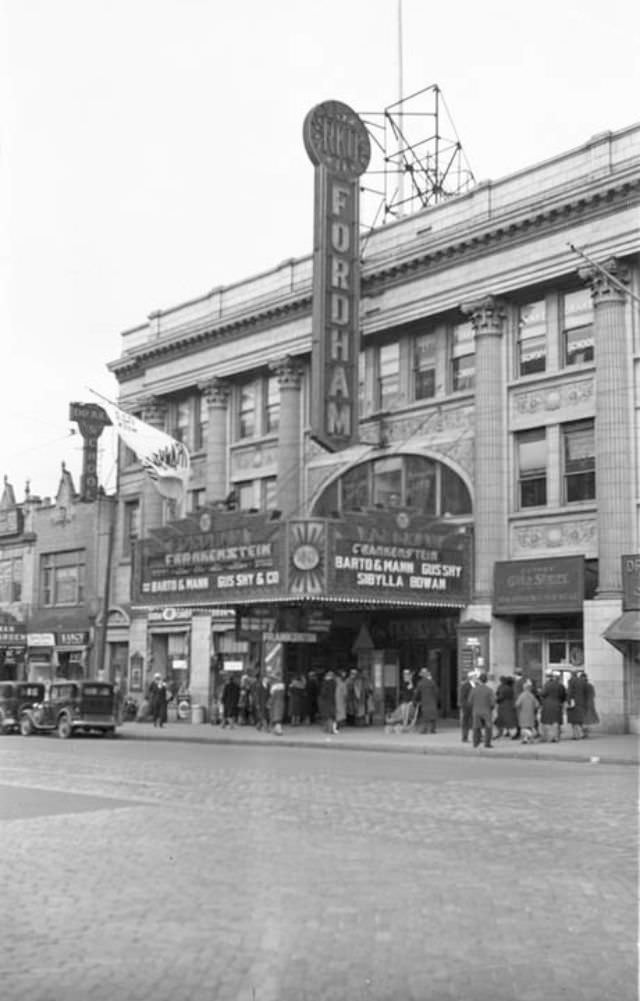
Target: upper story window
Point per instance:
(201, 422)
(579, 461)
(62, 577)
(247, 410)
(388, 375)
(424, 367)
(11, 579)
(272, 404)
(532, 467)
(195, 500)
(131, 529)
(577, 327)
(532, 338)
(463, 357)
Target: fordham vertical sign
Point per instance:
(338, 145)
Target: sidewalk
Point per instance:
(612, 749)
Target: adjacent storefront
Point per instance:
(545, 599)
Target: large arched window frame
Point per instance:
(408, 481)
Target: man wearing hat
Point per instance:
(158, 698)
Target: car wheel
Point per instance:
(26, 726)
(64, 728)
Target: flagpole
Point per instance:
(594, 264)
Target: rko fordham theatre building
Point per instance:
(426, 455)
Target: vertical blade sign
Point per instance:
(337, 143)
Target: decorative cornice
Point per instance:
(442, 250)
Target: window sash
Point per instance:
(464, 372)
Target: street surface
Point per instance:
(140, 870)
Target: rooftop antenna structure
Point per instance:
(417, 157)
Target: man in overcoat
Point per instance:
(464, 704)
(482, 702)
(427, 698)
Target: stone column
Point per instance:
(613, 430)
(491, 481)
(153, 411)
(289, 373)
(216, 394)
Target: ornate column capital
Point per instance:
(289, 371)
(215, 391)
(153, 410)
(486, 315)
(603, 289)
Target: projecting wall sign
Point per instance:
(337, 143)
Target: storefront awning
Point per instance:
(624, 630)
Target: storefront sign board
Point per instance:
(631, 583)
(547, 585)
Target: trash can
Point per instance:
(197, 714)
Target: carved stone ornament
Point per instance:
(554, 397)
(215, 391)
(153, 411)
(603, 289)
(289, 372)
(486, 315)
(575, 535)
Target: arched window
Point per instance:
(411, 482)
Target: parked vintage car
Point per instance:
(70, 707)
(14, 697)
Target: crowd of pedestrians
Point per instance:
(339, 699)
(518, 710)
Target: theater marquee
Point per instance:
(338, 145)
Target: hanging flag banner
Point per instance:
(165, 460)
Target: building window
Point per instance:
(401, 481)
(532, 467)
(421, 484)
(247, 410)
(11, 580)
(195, 500)
(579, 462)
(63, 578)
(272, 405)
(388, 376)
(131, 526)
(424, 367)
(578, 327)
(387, 482)
(268, 491)
(201, 423)
(463, 357)
(246, 495)
(532, 338)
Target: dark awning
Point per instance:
(624, 630)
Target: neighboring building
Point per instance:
(483, 515)
(54, 570)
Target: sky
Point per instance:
(151, 150)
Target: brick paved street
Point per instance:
(158, 870)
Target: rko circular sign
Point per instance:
(336, 138)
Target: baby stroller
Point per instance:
(403, 718)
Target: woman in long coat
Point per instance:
(158, 697)
(341, 699)
(276, 705)
(506, 716)
(590, 713)
(552, 697)
(427, 698)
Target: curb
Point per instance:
(329, 744)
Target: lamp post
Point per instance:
(93, 607)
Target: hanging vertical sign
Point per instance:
(337, 143)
